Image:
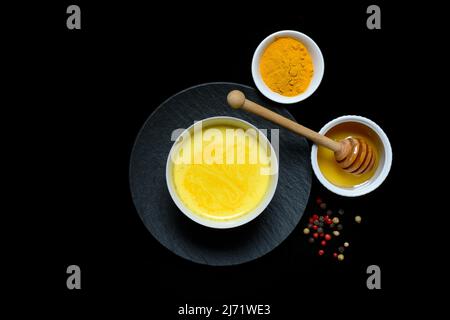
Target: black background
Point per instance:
(83, 95)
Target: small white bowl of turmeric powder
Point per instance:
(287, 66)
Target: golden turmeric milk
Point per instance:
(286, 67)
(222, 188)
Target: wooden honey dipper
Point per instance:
(353, 155)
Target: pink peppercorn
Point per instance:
(327, 237)
(321, 252)
(323, 242)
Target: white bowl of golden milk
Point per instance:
(222, 172)
(287, 66)
(337, 180)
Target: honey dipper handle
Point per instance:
(236, 99)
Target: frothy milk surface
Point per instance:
(221, 173)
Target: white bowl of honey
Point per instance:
(339, 181)
(222, 172)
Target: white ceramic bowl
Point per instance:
(221, 120)
(384, 165)
(316, 56)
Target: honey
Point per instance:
(330, 168)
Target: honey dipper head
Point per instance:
(355, 156)
(236, 99)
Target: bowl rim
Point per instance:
(228, 223)
(317, 77)
(383, 171)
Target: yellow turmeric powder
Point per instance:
(286, 67)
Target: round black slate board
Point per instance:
(177, 232)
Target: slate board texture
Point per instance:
(170, 226)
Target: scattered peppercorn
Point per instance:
(323, 226)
